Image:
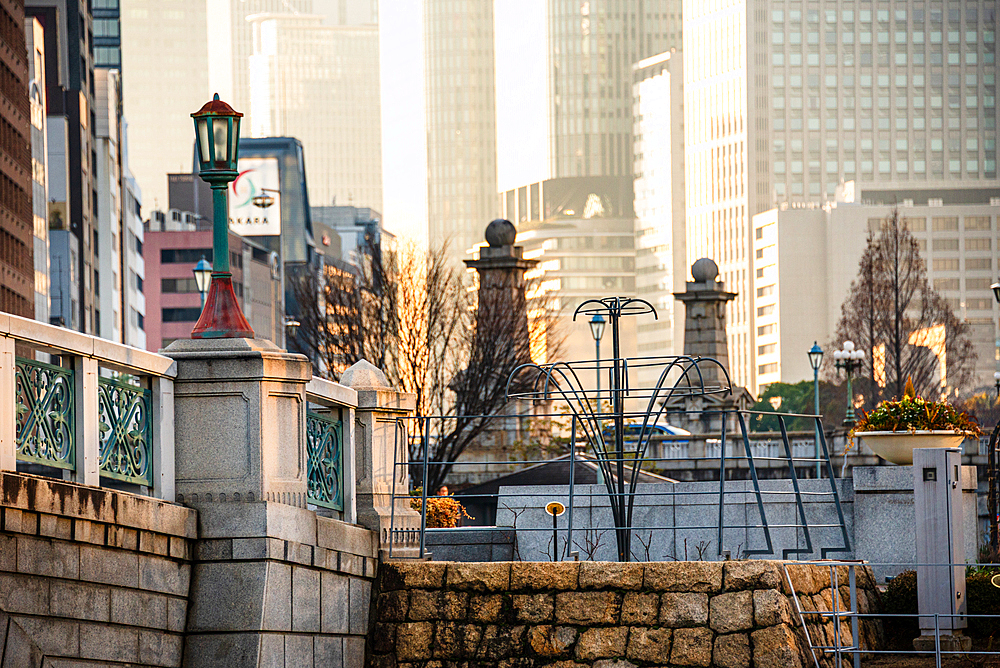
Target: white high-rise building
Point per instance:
(320, 84)
(802, 285)
(660, 243)
(783, 102)
(35, 42)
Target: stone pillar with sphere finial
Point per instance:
(705, 302)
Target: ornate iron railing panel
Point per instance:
(125, 421)
(46, 414)
(325, 465)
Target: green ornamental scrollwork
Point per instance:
(325, 461)
(45, 414)
(125, 419)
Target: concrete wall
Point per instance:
(92, 574)
(605, 614)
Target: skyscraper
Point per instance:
(589, 49)
(17, 289)
(165, 85)
(73, 235)
(461, 123)
(784, 102)
(35, 42)
(660, 241)
(320, 84)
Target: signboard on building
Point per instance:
(254, 199)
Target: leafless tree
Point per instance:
(418, 318)
(898, 320)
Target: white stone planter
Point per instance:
(897, 446)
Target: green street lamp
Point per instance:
(597, 324)
(850, 360)
(815, 360)
(217, 131)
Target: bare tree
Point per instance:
(416, 317)
(906, 329)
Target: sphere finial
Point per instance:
(704, 270)
(500, 232)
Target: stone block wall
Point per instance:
(278, 586)
(732, 614)
(92, 576)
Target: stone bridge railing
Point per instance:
(85, 408)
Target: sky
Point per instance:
(404, 138)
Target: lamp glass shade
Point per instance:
(202, 275)
(996, 291)
(220, 137)
(597, 326)
(815, 356)
(204, 144)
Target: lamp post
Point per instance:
(996, 374)
(815, 359)
(202, 277)
(850, 360)
(597, 331)
(217, 133)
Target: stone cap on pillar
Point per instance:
(705, 287)
(374, 391)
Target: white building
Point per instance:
(783, 102)
(807, 256)
(660, 244)
(121, 305)
(35, 42)
(320, 84)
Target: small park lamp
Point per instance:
(555, 509)
(815, 360)
(217, 131)
(850, 360)
(202, 277)
(597, 324)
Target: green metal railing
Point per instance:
(46, 414)
(125, 423)
(325, 461)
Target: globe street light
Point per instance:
(202, 277)
(217, 134)
(815, 359)
(597, 331)
(850, 360)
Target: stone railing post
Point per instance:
(8, 406)
(239, 422)
(380, 454)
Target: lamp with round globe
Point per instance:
(850, 360)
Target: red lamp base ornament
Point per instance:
(222, 317)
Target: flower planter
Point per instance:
(897, 446)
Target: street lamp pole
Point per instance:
(850, 360)
(217, 134)
(815, 359)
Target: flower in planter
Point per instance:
(912, 413)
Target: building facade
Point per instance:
(70, 87)
(174, 242)
(17, 289)
(785, 102)
(165, 85)
(802, 286)
(660, 240)
(35, 48)
(461, 123)
(320, 84)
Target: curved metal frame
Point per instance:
(560, 379)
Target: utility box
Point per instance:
(940, 538)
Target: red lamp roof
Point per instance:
(216, 107)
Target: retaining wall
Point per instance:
(91, 575)
(601, 614)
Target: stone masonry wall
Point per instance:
(733, 614)
(91, 576)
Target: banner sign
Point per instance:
(254, 200)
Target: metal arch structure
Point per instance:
(679, 376)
